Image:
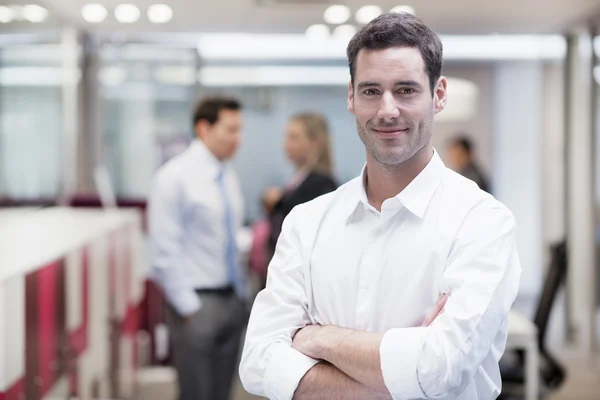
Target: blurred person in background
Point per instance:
(195, 209)
(462, 160)
(398, 284)
(308, 147)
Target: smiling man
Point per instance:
(398, 284)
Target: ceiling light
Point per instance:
(317, 32)
(34, 13)
(6, 15)
(127, 13)
(344, 32)
(337, 14)
(160, 13)
(365, 14)
(94, 13)
(403, 9)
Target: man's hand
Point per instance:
(312, 340)
(436, 310)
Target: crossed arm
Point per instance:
(352, 368)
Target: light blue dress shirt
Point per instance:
(187, 215)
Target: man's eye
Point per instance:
(407, 91)
(370, 92)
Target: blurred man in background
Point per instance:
(462, 160)
(195, 208)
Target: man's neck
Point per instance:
(386, 181)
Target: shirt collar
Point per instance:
(212, 164)
(416, 196)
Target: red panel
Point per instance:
(78, 339)
(47, 321)
(51, 325)
(86, 295)
(115, 323)
(128, 267)
(15, 392)
(32, 341)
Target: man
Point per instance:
(356, 271)
(195, 209)
(460, 152)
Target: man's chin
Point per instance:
(391, 158)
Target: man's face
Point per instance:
(223, 137)
(392, 102)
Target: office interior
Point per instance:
(96, 95)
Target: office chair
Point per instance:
(552, 373)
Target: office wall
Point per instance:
(30, 141)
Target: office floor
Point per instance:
(583, 379)
(159, 384)
(583, 383)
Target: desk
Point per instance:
(522, 335)
(70, 291)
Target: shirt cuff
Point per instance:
(399, 351)
(286, 368)
(186, 302)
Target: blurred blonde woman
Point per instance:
(308, 148)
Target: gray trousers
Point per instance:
(206, 346)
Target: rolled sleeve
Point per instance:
(399, 352)
(286, 368)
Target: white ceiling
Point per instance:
(445, 16)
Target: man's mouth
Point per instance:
(390, 132)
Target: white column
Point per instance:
(516, 159)
(70, 111)
(580, 203)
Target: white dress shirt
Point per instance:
(186, 217)
(341, 262)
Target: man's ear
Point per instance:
(201, 129)
(350, 98)
(440, 95)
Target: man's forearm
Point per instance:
(356, 354)
(325, 381)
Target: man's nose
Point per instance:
(388, 108)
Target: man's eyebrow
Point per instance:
(399, 83)
(368, 84)
(407, 83)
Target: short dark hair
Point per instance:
(399, 30)
(209, 108)
(463, 142)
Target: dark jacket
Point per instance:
(473, 172)
(315, 185)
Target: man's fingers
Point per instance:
(437, 309)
